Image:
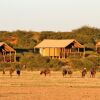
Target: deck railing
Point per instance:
(6, 58)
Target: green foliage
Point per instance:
(33, 61)
(85, 62)
(28, 39)
(25, 39)
(54, 35)
(56, 64)
(4, 65)
(95, 60)
(87, 35)
(37, 62)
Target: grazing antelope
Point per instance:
(66, 71)
(45, 72)
(92, 72)
(18, 72)
(3, 71)
(84, 72)
(11, 71)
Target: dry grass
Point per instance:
(32, 86)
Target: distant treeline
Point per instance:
(24, 42)
(28, 39)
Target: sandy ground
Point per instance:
(32, 86)
(49, 93)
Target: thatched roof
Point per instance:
(48, 43)
(6, 47)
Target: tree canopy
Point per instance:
(28, 39)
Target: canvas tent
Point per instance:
(59, 48)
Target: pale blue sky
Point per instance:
(52, 15)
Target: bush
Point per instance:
(95, 60)
(37, 62)
(4, 65)
(81, 63)
(56, 64)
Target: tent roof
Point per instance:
(49, 43)
(7, 48)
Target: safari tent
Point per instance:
(60, 48)
(7, 53)
(98, 47)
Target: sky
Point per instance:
(48, 15)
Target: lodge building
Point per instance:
(60, 48)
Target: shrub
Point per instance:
(37, 62)
(56, 64)
(81, 63)
(4, 65)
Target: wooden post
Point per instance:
(10, 56)
(67, 52)
(61, 55)
(54, 52)
(70, 51)
(59, 52)
(4, 56)
(74, 52)
(34, 50)
(78, 50)
(15, 57)
(64, 53)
